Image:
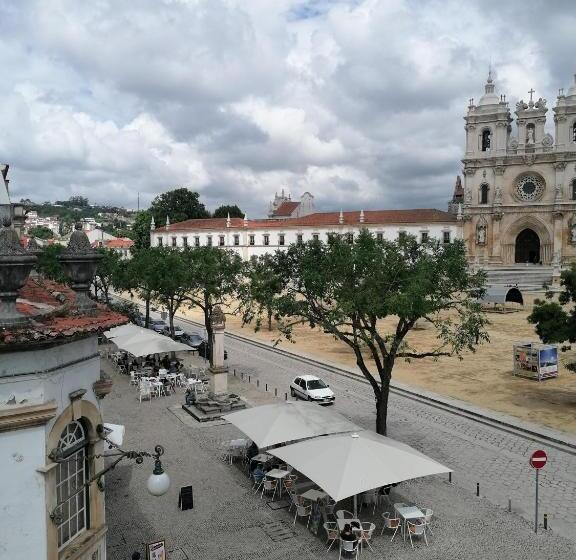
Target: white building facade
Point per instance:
(257, 237)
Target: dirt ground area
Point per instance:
(483, 378)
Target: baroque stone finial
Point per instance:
(79, 242)
(218, 319)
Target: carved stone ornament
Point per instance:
(481, 230)
(513, 144)
(540, 104)
(15, 266)
(529, 188)
(521, 106)
(499, 170)
(498, 195)
(469, 171)
(467, 196)
(79, 242)
(529, 159)
(218, 318)
(560, 165)
(547, 141)
(573, 230)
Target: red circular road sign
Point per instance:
(538, 459)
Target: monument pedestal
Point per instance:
(218, 383)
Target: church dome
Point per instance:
(489, 97)
(572, 90)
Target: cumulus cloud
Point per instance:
(359, 102)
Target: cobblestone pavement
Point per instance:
(478, 453)
(229, 522)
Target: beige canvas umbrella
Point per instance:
(123, 330)
(154, 343)
(272, 424)
(345, 465)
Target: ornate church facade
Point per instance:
(519, 192)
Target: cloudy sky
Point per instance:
(359, 102)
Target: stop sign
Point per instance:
(538, 459)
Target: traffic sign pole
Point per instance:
(536, 515)
(537, 461)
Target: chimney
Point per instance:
(361, 216)
(228, 220)
(245, 220)
(341, 217)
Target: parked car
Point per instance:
(311, 388)
(157, 325)
(194, 340)
(178, 332)
(139, 320)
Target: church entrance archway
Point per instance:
(527, 247)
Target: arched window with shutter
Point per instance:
(484, 188)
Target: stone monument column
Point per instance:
(218, 371)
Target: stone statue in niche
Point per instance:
(481, 234)
(558, 192)
(498, 195)
(530, 135)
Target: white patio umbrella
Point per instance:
(345, 465)
(122, 330)
(272, 424)
(157, 344)
(136, 336)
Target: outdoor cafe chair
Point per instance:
(295, 499)
(427, 519)
(344, 514)
(369, 498)
(133, 380)
(365, 533)
(269, 485)
(349, 547)
(303, 511)
(391, 523)
(416, 530)
(289, 481)
(332, 533)
(145, 391)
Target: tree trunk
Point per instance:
(269, 319)
(171, 319)
(208, 327)
(147, 312)
(382, 408)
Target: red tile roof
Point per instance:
(118, 243)
(51, 308)
(285, 209)
(325, 219)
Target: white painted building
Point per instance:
(257, 237)
(50, 222)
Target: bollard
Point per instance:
(249, 378)
(545, 522)
(275, 391)
(450, 477)
(477, 489)
(257, 382)
(242, 376)
(285, 396)
(509, 505)
(234, 372)
(266, 386)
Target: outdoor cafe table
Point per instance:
(278, 474)
(407, 513)
(343, 522)
(314, 495)
(261, 458)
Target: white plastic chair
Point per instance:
(303, 511)
(416, 530)
(145, 391)
(391, 523)
(427, 519)
(344, 514)
(332, 533)
(366, 532)
(349, 546)
(269, 485)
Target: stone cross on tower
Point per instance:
(531, 92)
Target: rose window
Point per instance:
(529, 187)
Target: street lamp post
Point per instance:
(158, 482)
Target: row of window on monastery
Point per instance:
(265, 239)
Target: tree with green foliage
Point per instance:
(106, 273)
(172, 279)
(228, 210)
(179, 205)
(554, 321)
(216, 275)
(348, 289)
(41, 232)
(141, 230)
(137, 276)
(48, 264)
(256, 294)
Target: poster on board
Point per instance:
(548, 360)
(156, 550)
